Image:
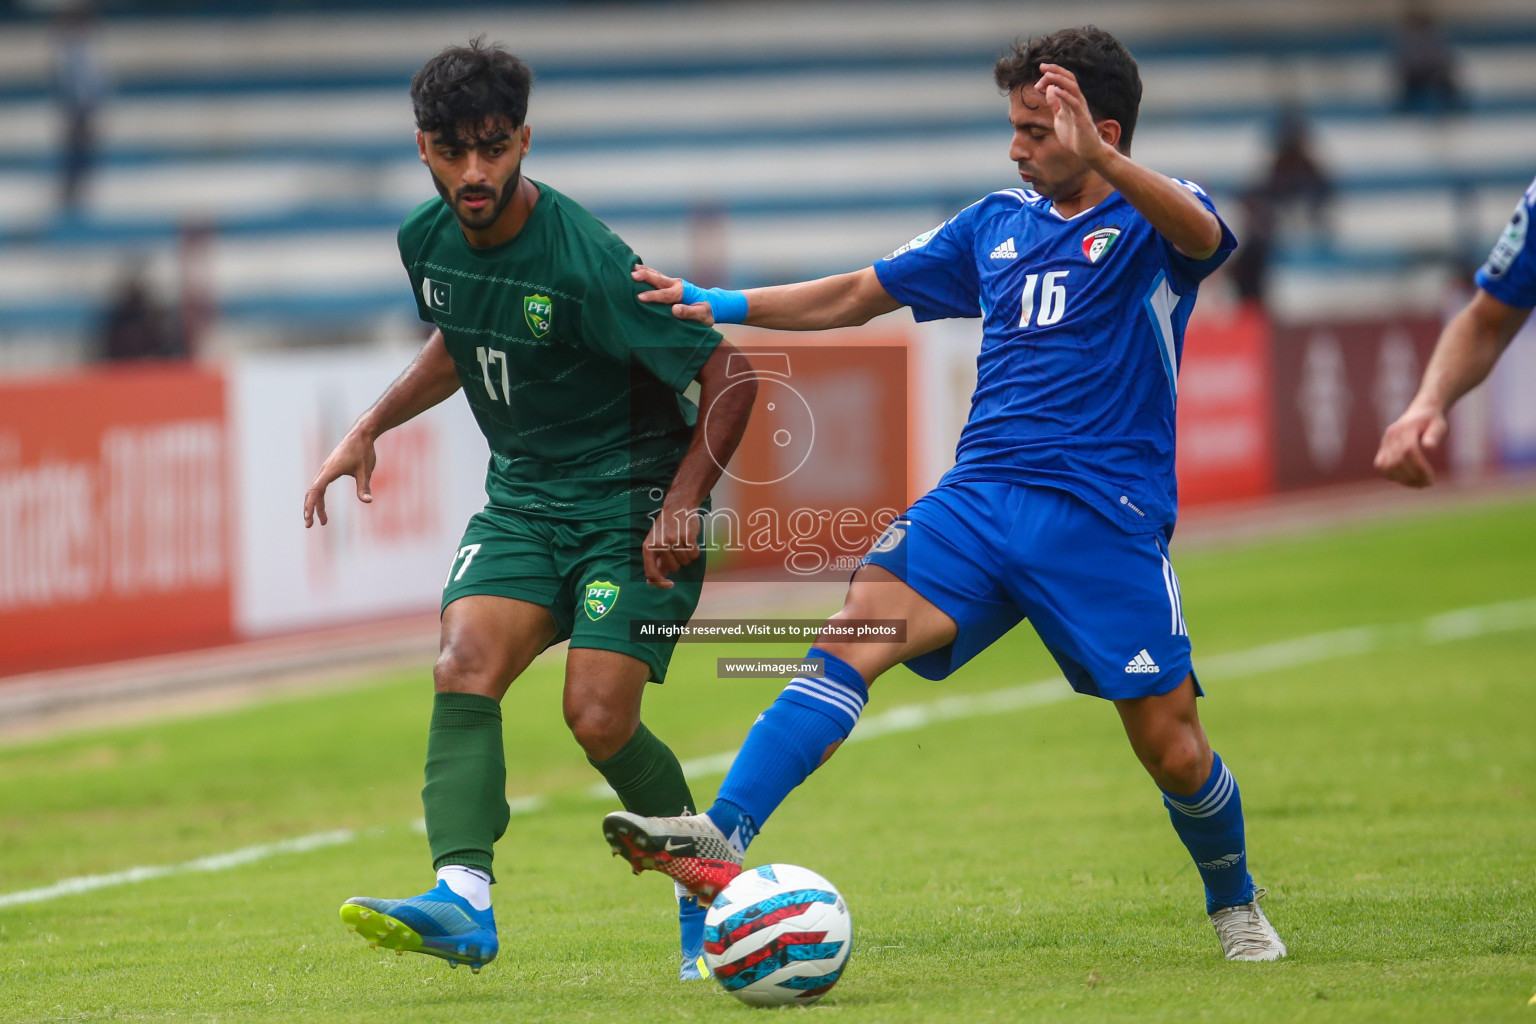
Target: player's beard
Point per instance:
(499, 200)
(1061, 188)
(1048, 189)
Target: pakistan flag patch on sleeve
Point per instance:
(538, 311)
(601, 596)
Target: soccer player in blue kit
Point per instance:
(1062, 498)
(1471, 343)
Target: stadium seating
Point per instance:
(759, 150)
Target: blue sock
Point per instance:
(1210, 822)
(787, 743)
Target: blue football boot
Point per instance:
(441, 923)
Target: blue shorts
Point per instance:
(1105, 602)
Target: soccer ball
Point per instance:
(778, 934)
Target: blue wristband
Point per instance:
(727, 306)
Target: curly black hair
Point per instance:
(1105, 70)
(464, 88)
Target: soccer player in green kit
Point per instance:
(598, 470)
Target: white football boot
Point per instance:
(689, 848)
(1245, 932)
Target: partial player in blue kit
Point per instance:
(1468, 347)
(1063, 497)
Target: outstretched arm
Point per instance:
(427, 381)
(844, 300)
(1168, 206)
(1468, 347)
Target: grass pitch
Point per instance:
(1009, 866)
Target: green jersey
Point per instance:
(576, 385)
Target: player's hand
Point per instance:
(353, 457)
(1074, 125)
(672, 543)
(666, 289)
(1405, 447)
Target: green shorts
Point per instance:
(589, 575)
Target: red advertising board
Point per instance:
(1225, 446)
(113, 515)
(1337, 387)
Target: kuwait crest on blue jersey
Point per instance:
(1098, 242)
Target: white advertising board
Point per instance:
(287, 411)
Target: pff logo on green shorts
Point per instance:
(538, 310)
(600, 598)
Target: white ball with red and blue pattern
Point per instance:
(777, 935)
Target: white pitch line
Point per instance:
(1504, 617)
(1302, 650)
(1460, 624)
(216, 862)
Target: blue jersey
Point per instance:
(1510, 273)
(1083, 328)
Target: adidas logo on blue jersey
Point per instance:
(1005, 251)
(1142, 664)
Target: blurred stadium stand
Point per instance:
(261, 162)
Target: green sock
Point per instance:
(465, 797)
(647, 777)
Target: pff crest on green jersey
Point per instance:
(600, 598)
(539, 312)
